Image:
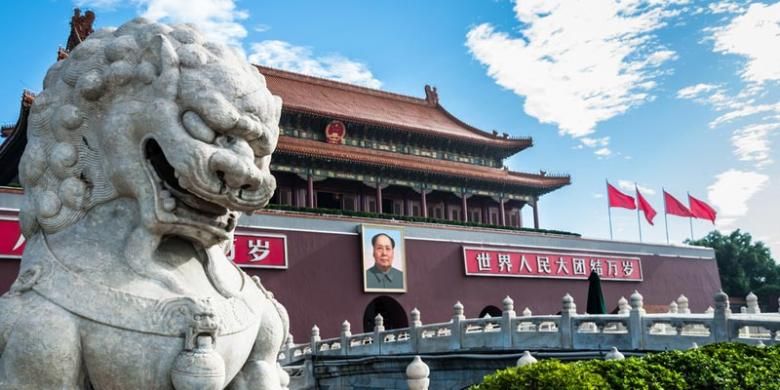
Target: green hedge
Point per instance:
(411, 219)
(717, 366)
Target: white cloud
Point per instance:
(754, 35)
(99, 4)
(751, 143)
(629, 186)
(603, 152)
(742, 110)
(731, 192)
(753, 111)
(695, 91)
(261, 28)
(283, 55)
(577, 63)
(218, 20)
(594, 142)
(725, 7)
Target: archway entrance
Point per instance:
(393, 313)
(492, 310)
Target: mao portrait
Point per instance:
(384, 260)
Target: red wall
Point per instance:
(9, 268)
(324, 283)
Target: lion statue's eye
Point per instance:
(197, 128)
(259, 148)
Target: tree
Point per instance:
(744, 266)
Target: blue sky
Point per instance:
(679, 94)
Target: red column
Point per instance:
(520, 217)
(378, 198)
(536, 213)
(424, 204)
(310, 191)
(465, 209)
(502, 213)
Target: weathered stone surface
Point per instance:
(144, 146)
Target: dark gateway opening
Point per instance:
(393, 313)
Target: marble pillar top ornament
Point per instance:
(143, 147)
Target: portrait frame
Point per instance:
(368, 262)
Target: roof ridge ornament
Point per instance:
(431, 95)
(80, 28)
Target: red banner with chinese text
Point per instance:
(258, 250)
(11, 239)
(250, 249)
(533, 263)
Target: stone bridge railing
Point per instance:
(630, 330)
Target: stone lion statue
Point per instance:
(143, 148)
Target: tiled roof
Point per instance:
(312, 95)
(323, 150)
(13, 145)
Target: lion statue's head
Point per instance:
(153, 113)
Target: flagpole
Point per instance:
(638, 220)
(690, 219)
(609, 211)
(666, 219)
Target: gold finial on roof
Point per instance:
(80, 28)
(431, 96)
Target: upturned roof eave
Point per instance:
(299, 147)
(13, 146)
(514, 146)
(481, 137)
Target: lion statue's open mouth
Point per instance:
(175, 199)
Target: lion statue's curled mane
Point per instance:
(143, 148)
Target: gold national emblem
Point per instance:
(335, 132)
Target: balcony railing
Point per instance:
(406, 218)
(630, 330)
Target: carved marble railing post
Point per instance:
(416, 318)
(635, 327)
(752, 304)
(682, 305)
(346, 333)
(457, 317)
(674, 308)
(506, 320)
(614, 354)
(623, 307)
(290, 344)
(526, 359)
(417, 373)
(315, 338)
(414, 330)
(569, 309)
(720, 317)
(379, 327)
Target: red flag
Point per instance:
(645, 207)
(701, 210)
(675, 207)
(619, 199)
